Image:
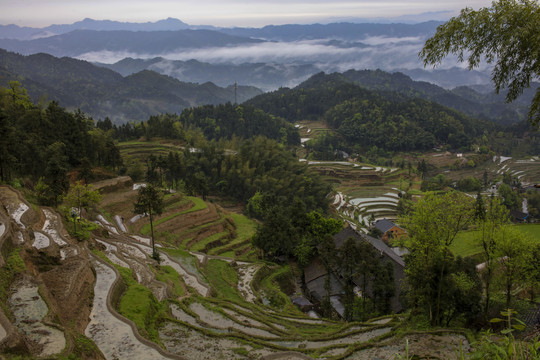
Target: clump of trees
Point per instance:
(43, 143)
(440, 285)
(443, 287)
(212, 122)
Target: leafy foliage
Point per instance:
(438, 282)
(82, 196)
(149, 201)
(47, 142)
(505, 34)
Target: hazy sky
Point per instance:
(41, 13)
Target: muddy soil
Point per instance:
(421, 346)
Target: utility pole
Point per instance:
(235, 89)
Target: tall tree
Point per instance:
(489, 226)
(506, 34)
(56, 170)
(150, 202)
(514, 256)
(432, 228)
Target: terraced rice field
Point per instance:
(188, 223)
(526, 170)
(189, 306)
(362, 190)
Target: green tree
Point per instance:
(506, 34)
(432, 228)
(82, 196)
(509, 197)
(513, 252)
(348, 257)
(479, 207)
(150, 201)
(56, 171)
(489, 226)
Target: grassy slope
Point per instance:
(466, 243)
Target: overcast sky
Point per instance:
(41, 13)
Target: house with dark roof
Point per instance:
(316, 276)
(389, 230)
(518, 216)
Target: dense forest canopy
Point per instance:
(214, 122)
(365, 118)
(47, 141)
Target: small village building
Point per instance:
(389, 230)
(302, 303)
(518, 216)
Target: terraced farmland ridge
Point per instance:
(106, 298)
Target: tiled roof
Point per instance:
(384, 225)
(378, 244)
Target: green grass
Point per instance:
(229, 254)
(169, 276)
(245, 228)
(139, 305)
(465, 244)
(224, 279)
(137, 143)
(200, 245)
(188, 261)
(533, 230)
(271, 283)
(13, 266)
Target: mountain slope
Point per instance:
(464, 99)
(363, 118)
(102, 92)
(344, 31)
(262, 75)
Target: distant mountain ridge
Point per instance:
(476, 104)
(343, 29)
(29, 33)
(268, 57)
(101, 92)
(79, 42)
(266, 76)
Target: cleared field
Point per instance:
(467, 243)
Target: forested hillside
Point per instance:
(366, 118)
(212, 122)
(482, 105)
(101, 93)
(44, 143)
(485, 105)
